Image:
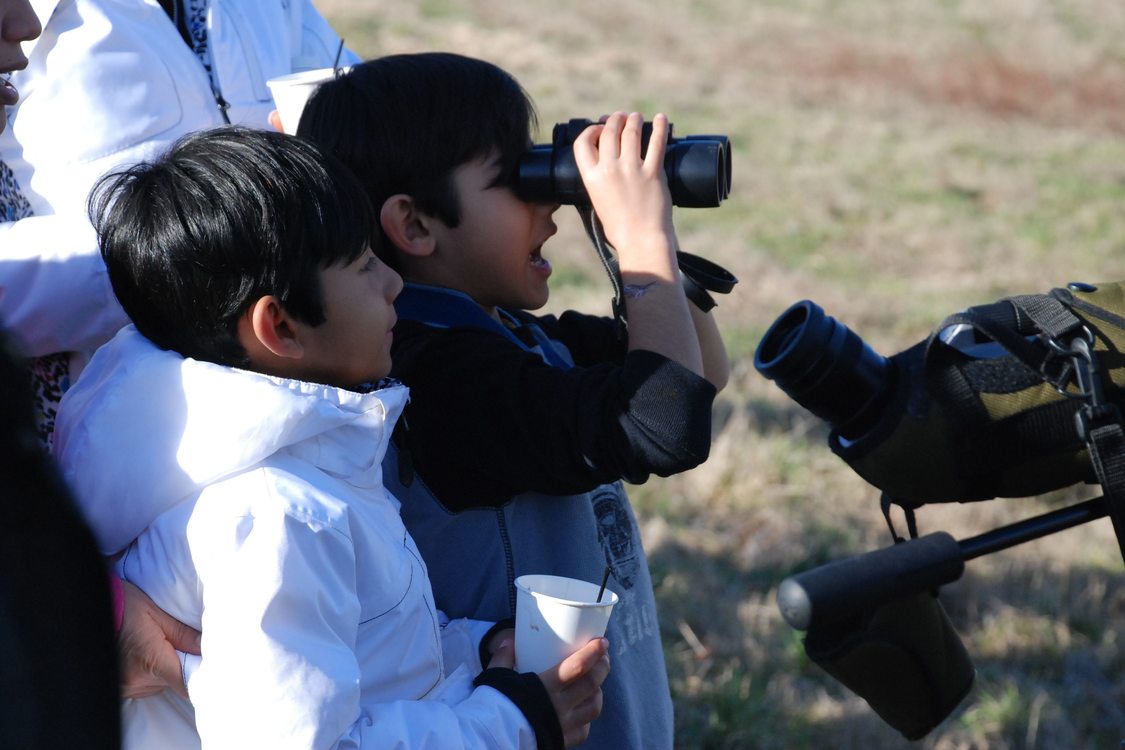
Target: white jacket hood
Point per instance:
(144, 429)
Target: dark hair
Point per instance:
(222, 219)
(404, 123)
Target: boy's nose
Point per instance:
(394, 285)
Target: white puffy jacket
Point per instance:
(110, 83)
(275, 537)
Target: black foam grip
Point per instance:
(849, 587)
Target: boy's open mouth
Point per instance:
(537, 259)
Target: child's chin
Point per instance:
(537, 301)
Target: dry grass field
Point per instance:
(895, 162)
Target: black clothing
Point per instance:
(478, 403)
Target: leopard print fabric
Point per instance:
(197, 29)
(50, 375)
(13, 204)
(50, 379)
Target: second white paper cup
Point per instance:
(291, 92)
(555, 617)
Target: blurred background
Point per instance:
(894, 162)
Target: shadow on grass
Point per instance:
(1049, 652)
(1045, 640)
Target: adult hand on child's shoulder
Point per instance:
(147, 646)
(575, 687)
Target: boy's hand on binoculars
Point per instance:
(629, 191)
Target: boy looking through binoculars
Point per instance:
(520, 427)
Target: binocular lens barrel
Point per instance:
(698, 172)
(825, 367)
(698, 169)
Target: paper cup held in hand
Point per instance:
(555, 617)
(291, 92)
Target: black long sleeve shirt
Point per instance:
(488, 420)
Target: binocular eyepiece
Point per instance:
(698, 168)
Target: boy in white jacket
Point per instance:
(244, 413)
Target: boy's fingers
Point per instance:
(585, 146)
(609, 144)
(589, 709)
(657, 142)
(631, 135)
(585, 660)
(504, 655)
(601, 669)
(580, 716)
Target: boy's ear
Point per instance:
(268, 332)
(407, 228)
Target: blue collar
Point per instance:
(448, 308)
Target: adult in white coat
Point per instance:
(56, 641)
(110, 83)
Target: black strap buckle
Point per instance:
(1097, 411)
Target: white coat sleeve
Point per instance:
(55, 294)
(279, 666)
(461, 642)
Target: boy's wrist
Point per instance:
(530, 695)
(636, 291)
(654, 254)
(637, 286)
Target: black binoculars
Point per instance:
(698, 168)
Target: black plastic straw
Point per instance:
(605, 578)
(336, 62)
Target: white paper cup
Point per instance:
(291, 92)
(555, 617)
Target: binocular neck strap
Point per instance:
(698, 276)
(596, 233)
